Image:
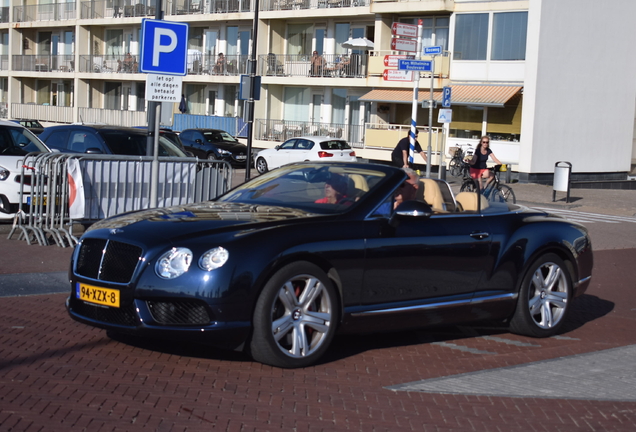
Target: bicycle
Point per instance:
(494, 190)
(456, 164)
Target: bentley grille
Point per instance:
(107, 260)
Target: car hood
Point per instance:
(235, 147)
(194, 220)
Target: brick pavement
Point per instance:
(57, 374)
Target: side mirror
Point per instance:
(198, 141)
(410, 209)
(277, 147)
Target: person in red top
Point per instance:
(335, 190)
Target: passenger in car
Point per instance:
(408, 190)
(335, 190)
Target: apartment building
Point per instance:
(548, 80)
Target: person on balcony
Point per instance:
(317, 64)
(219, 67)
(128, 62)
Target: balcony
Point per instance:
(276, 5)
(106, 9)
(197, 63)
(43, 63)
(332, 66)
(44, 12)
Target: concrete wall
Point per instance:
(579, 87)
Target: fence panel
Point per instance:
(70, 189)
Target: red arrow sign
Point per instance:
(397, 75)
(409, 45)
(392, 60)
(407, 30)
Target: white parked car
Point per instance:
(307, 148)
(16, 141)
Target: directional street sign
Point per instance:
(164, 47)
(446, 97)
(392, 60)
(409, 45)
(397, 75)
(407, 30)
(415, 65)
(433, 50)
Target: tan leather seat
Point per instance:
(429, 192)
(468, 201)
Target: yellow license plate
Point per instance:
(97, 295)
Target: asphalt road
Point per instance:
(57, 374)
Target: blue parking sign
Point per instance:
(164, 47)
(446, 97)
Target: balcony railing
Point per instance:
(281, 130)
(275, 5)
(44, 12)
(110, 9)
(332, 66)
(4, 62)
(197, 63)
(44, 63)
(56, 114)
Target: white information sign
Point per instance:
(445, 116)
(163, 88)
(397, 75)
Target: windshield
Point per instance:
(218, 136)
(325, 189)
(123, 142)
(18, 141)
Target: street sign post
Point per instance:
(415, 65)
(397, 75)
(406, 30)
(164, 47)
(409, 45)
(446, 97)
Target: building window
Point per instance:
(509, 36)
(297, 100)
(299, 39)
(434, 30)
(471, 37)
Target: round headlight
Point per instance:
(174, 263)
(214, 258)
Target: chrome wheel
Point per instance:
(261, 165)
(301, 316)
(295, 317)
(548, 295)
(543, 299)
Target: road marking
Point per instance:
(583, 217)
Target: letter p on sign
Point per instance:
(164, 47)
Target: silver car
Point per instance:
(306, 148)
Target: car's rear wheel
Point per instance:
(544, 298)
(295, 317)
(261, 165)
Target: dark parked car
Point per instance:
(104, 139)
(273, 269)
(32, 125)
(214, 144)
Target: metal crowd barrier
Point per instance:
(69, 189)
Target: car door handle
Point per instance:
(479, 235)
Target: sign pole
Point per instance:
(152, 110)
(416, 85)
(431, 101)
(250, 102)
(154, 172)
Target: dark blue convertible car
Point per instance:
(278, 265)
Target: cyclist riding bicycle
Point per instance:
(478, 168)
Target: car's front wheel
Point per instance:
(544, 298)
(261, 165)
(295, 317)
(212, 157)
